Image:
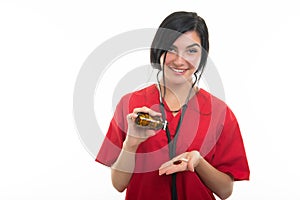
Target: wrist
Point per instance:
(199, 160)
(130, 144)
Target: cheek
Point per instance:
(193, 62)
(169, 59)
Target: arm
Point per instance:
(122, 169)
(230, 157)
(218, 182)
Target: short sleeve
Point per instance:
(113, 141)
(230, 156)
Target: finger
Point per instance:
(145, 109)
(166, 169)
(190, 162)
(154, 113)
(175, 161)
(162, 171)
(132, 116)
(173, 166)
(166, 164)
(176, 168)
(190, 166)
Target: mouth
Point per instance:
(178, 71)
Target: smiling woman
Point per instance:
(199, 151)
(182, 59)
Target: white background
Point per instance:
(254, 44)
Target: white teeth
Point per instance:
(178, 70)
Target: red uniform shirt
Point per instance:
(208, 126)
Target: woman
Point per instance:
(200, 151)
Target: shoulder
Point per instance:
(209, 103)
(213, 104)
(141, 93)
(207, 97)
(139, 97)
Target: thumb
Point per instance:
(190, 165)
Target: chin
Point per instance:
(177, 80)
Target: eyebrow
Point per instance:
(189, 46)
(195, 44)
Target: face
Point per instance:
(183, 58)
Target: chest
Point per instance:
(192, 135)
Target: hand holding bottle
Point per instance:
(144, 120)
(137, 133)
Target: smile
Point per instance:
(178, 70)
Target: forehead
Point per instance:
(187, 38)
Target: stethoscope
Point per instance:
(172, 143)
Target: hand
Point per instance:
(135, 134)
(184, 162)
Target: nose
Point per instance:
(179, 60)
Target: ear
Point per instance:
(162, 60)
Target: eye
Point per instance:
(172, 50)
(193, 50)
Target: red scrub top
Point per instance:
(208, 126)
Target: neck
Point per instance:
(176, 95)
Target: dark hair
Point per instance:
(171, 28)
